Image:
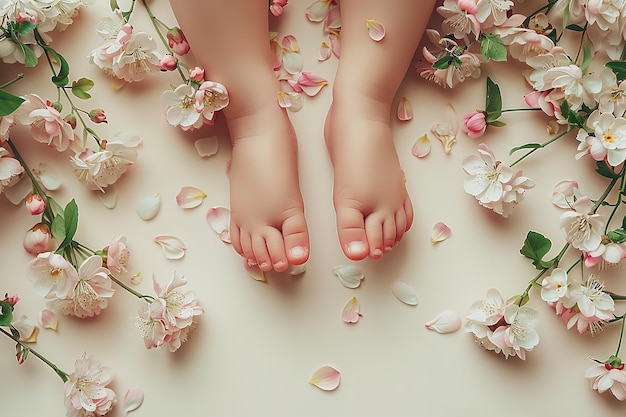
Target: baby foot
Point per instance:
(267, 224)
(371, 202)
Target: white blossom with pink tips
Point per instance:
(52, 276)
(10, 169)
(583, 228)
(608, 377)
(87, 391)
(46, 123)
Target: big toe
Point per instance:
(296, 238)
(351, 231)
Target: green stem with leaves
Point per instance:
(538, 146)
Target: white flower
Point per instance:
(46, 123)
(583, 229)
(520, 335)
(210, 97)
(555, 286)
(181, 108)
(52, 275)
(606, 376)
(592, 301)
(460, 17)
(10, 169)
(139, 58)
(609, 139)
(486, 175)
(86, 390)
(483, 316)
(493, 12)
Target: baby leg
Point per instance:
(230, 39)
(371, 202)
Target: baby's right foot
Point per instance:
(267, 224)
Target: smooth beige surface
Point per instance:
(258, 344)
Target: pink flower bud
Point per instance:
(197, 74)
(55, 105)
(474, 124)
(70, 119)
(35, 204)
(11, 299)
(24, 16)
(97, 116)
(177, 41)
(276, 7)
(167, 63)
(38, 239)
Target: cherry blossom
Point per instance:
(38, 239)
(52, 275)
(87, 389)
(46, 123)
(608, 376)
(460, 17)
(583, 229)
(10, 169)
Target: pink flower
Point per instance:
(167, 63)
(276, 7)
(177, 41)
(87, 391)
(197, 74)
(117, 255)
(46, 123)
(35, 204)
(209, 98)
(11, 299)
(38, 239)
(98, 116)
(474, 124)
(608, 376)
(308, 83)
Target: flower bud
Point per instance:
(177, 41)
(70, 119)
(38, 239)
(11, 299)
(97, 116)
(35, 204)
(25, 16)
(475, 124)
(55, 105)
(167, 63)
(197, 74)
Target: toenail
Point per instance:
(355, 247)
(378, 252)
(297, 252)
(251, 262)
(279, 264)
(388, 248)
(264, 265)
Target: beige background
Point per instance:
(258, 343)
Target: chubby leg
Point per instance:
(371, 202)
(230, 39)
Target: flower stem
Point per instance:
(543, 145)
(521, 109)
(60, 373)
(13, 81)
(130, 290)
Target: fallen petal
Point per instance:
(404, 292)
(296, 100)
(447, 130)
(149, 206)
(421, 147)
(405, 109)
(447, 321)
(133, 398)
(219, 220)
(351, 312)
(254, 272)
(326, 378)
(48, 319)
(375, 29)
(284, 100)
(27, 329)
(189, 197)
(18, 191)
(109, 198)
(295, 270)
(440, 232)
(207, 146)
(349, 275)
(173, 246)
(324, 52)
(136, 279)
(48, 176)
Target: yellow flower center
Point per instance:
(608, 137)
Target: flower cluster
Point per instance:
(582, 96)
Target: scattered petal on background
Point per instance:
(19, 191)
(133, 398)
(447, 130)
(349, 275)
(297, 101)
(284, 100)
(405, 109)
(254, 272)
(48, 319)
(375, 29)
(27, 328)
(136, 278)
(189, 197)
(173, 246)
(421, 147)
(297, 269)
(447, 321)
(48, 176)
(404, 292)
(440, 232)
(324, 52)
(553, 127)
(351, 312)
(219, 220)
(207, 146)
(326, 378)
(109, 197)
(149, 206)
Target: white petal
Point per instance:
(405, 109)
(189, 197)
(109, 197)
(351, 312)
(149, 206)
(326, 378)
(404, 292)
(173, 246)
(297, 269)
(421, 147)
(49, 177)
(440, 232)
(219, 220)
(447, 321)
(297, 101)
(254, 272)
(207, 147)
(349, 275)
(48, 319)
(133, 398)
(27, 329)
(18, 191)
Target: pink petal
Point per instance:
(324, 52)
(219, 220)
(173, 247)
(189, 197)
(405, 109)
(283, 100)
(133, 398)
(440, 232)
(290, 43)
(421, 147)
(351, 313)
(48, 319)
(375, 29)
(326, 378)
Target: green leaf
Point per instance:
(80, 88)
(30, 59)
(70, 214)
(603, 169)
(618, 67)
(9, 103)
(497, 123)
(444, 62)
(526, 146)
(62, 78)
(6, 313)
(587, 55)
(114, 5)
(624, 222)
(617, 235)
(58, 227)
(493, 102)
(575, 28)
(492, 47)
(535, 247)
(24, 28)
